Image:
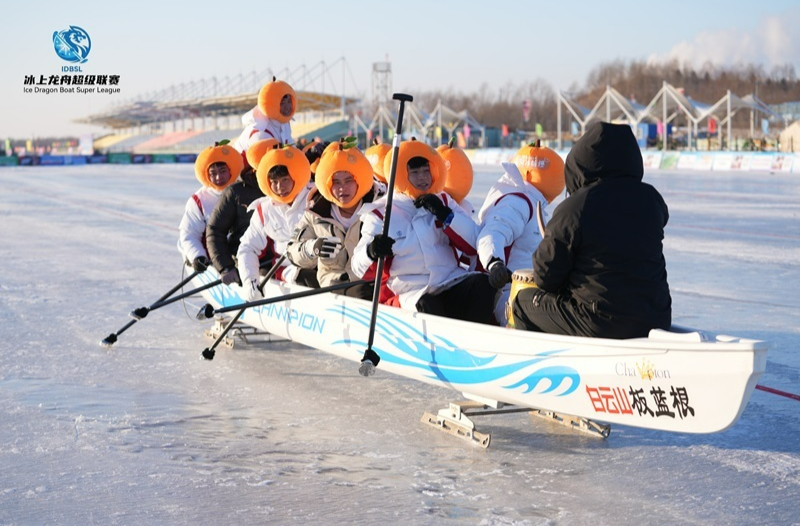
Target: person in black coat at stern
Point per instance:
(600, 269)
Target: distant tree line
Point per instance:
(636, 80)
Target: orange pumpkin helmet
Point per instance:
(269, 100)
(543, 168)
(221, 153)
(459, 171)
(339, 159)
(257, 150)
(375, 155)
(294, 161)
(407, 151)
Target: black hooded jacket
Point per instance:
(230, 219)
(603, 247)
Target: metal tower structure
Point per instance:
(381, 83)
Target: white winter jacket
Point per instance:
(192, 230)
(274, 223)
(425, 258)
(257, 127)
(509, 229)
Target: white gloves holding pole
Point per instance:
(324, 247)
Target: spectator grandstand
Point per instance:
(188, 117)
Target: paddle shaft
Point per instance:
(183, 282)
(231, 323)
(376, 293)
(287, 297)
(169, 293)
(173, 299)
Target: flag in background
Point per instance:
(466, 131)
(526, 110)
(504, 129)
(712, 125)
(765, 126)
(539, 129)
(574, 128)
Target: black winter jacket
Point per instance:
(230, 219)
(603, 246)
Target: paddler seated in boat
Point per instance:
(600, 269)
(509, 221)
(330, 228)
(427, 227)
(270, 118)
(284, 176)
(216, 167)
(458, 184)
(232, 214)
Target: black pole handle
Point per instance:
(370, 359)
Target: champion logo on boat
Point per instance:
(648, 372)
(644, 370)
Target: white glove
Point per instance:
(327, 247)
(251, 292)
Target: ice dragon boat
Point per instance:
(682, 380)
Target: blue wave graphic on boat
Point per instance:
(436, 355)
(451, 364)
(556, 375)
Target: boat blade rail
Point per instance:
(240, 333)
(456, 420)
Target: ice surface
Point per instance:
(147, 433)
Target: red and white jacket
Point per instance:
(509, 230)
(192, 230)
(508, 226)
(425, 254)
(258, 126)
(271, 227)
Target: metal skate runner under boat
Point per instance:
(683, 380)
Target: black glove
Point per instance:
(229, 276)
(499, 274)
(200, 264)
(434, 205)
(327, 247)
(380, 247)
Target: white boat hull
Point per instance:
(683, 381)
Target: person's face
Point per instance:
(219, 174)
(282, 186)
(344, 187)
(420, 178)
(286, 105)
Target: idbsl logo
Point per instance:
(73, 44)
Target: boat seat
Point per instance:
(672, 336)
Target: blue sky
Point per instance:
(445, 44)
